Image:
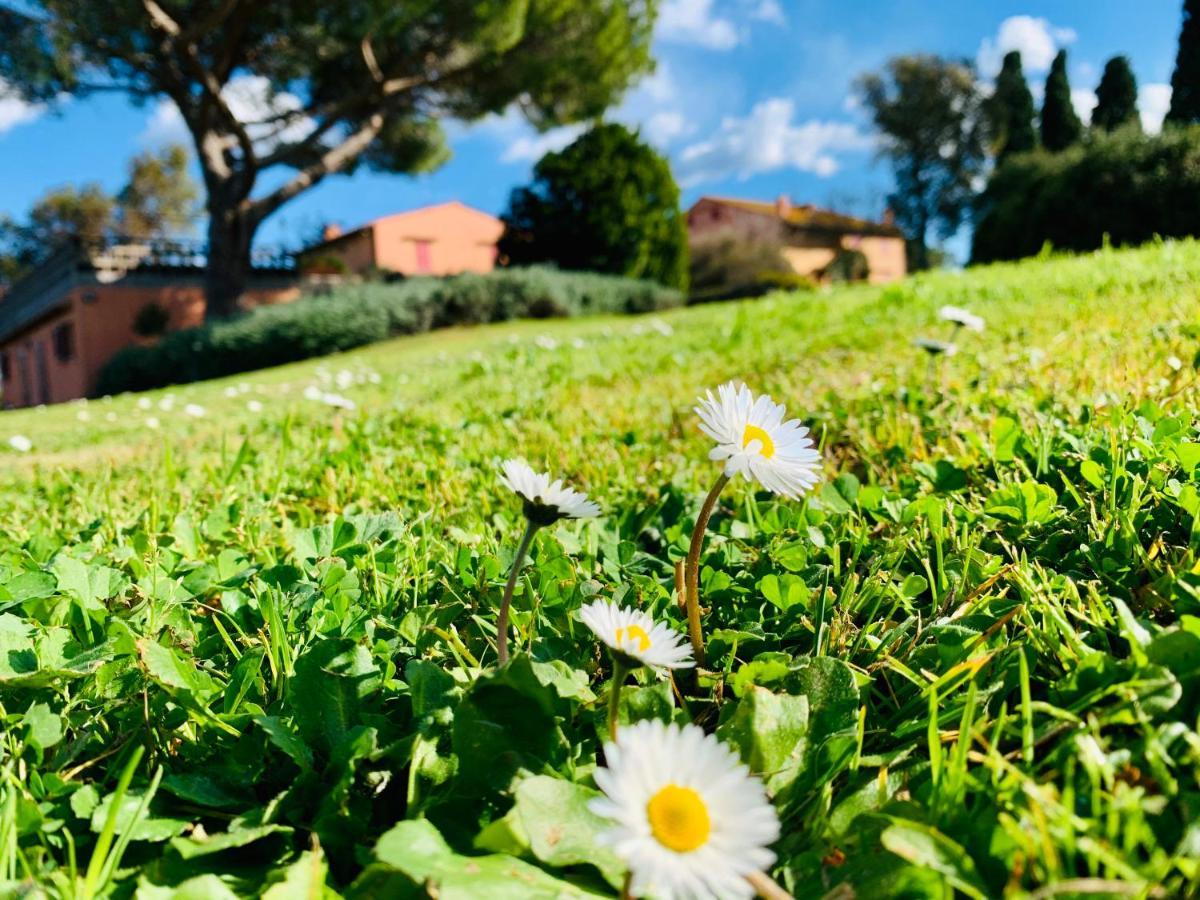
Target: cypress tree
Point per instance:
(1061, 126)
(1185, 82)
(1116, 97)
(1011, 111)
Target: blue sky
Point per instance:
(752, 98)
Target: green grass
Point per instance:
(254, 651)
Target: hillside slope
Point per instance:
(981, 636)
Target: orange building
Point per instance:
(810, 238)
(60, 324)
(447, 239)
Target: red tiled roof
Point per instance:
(808, 216)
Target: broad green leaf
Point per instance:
(771, 733)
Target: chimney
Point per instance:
(783, 206)
(331, 231)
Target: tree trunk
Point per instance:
(230, 235)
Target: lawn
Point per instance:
(247, 627)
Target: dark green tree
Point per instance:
(1185, 82)
(928, 112)
(1010, 110)
(1061, 125)
(607, 203)
(278, 96)
(1116, 97)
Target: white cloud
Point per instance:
(1154, 100)
(768, 140)
(532, 147)
(1037, 40)
(695, 22)
(1084, 102)
(13, 110)
(249, 98)
(768, 11)
(664, 127)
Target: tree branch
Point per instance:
(332, 161)
(161, 20)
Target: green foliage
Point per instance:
(252, 654)
(151, 320)
(928, 112)
(160, 198)
(1117, 97)
(1060, 124)
(849, 265)
(1185, 80)
(607, 203)
(354, 316)
(1010, 111)
(1126, 188)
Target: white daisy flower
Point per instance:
(935, 347)
(20, 443)
(144, 403)
(152, 422)
(689, 820)
(546, 501)
(754, 440)
(1174, 363)
(636, 635)
(195, 410)
(961, 317)
(255, 406)
(337, 401)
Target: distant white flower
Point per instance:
(152, 422)
(144, 403)
(754, 440)
(231, 392)
(689, 820)
(546, 342)
(578, 343)
(312, 392)
(338, 401)
(546, 501)
(662, 327)
(83, 415)
(636, 635)
(167, 403)
(1174, 363)
(110, 417)
(195, 410)
(935, 347)
(254, 406)
(344, 379)
(20, 443)
(961, 317)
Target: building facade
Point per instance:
(62, 323)
(447, 239)
(810, 238)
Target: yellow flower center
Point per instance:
(679, 819)
(634, 633)
(754, 433)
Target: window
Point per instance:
(5, 367)
(424, 257)
(63, 339)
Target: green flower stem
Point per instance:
(518, 561)
(619, 674)
(691, 573)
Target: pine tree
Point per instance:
(1185, 83)
(1061, 126)
(1010, 110)
(1116, 97)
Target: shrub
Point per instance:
(1125, 186)
(362, 314)
(151, 320)
(848, 265)
(727, 264)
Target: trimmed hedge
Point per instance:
(362, 314)
(1126, 188)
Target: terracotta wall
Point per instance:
(456, 239)
(101, 318)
